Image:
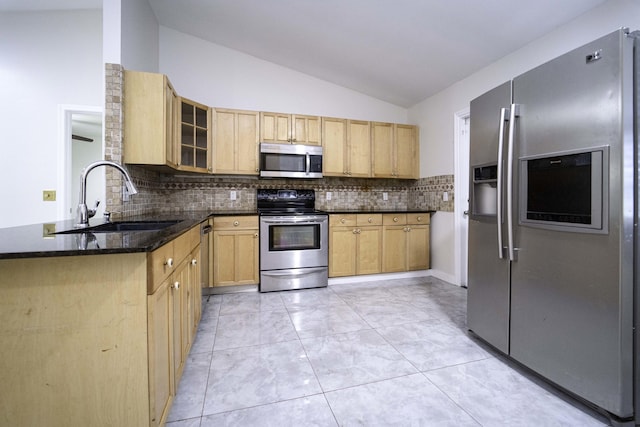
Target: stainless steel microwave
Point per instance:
(290, 161)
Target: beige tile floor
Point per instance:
(386, 353)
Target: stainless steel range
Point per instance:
(294, 239)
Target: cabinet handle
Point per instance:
(236, 223)
(176, 285)
(395, 219)
(169, 262)
(194, 261)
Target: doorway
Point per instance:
(81, 143)
(461, 189)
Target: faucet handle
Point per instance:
(91, 212)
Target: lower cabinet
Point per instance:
(235, 251)
(355, 243)
(174, 310)
(405, 241)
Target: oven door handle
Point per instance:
(293, 220)
(308, 162)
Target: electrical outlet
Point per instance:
(49, 195)
(385, 196)
(233, 195)
(328, 195)
(445, 196)
(48, 230)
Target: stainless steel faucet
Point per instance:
(83, 212)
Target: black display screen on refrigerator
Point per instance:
(564, 190)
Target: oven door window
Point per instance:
(294, 237)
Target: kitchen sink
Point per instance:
(124, 226)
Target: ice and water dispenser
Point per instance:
(484, 190)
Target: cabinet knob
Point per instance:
(395, 219)
(370, 220)
(355, 231)
(255, 235)
(408, 229)
(419, 218)
(176, 285)
(236, 223)
(169, 262)
(194, 261)
(342, 220)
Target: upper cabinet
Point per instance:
(151, 109)
(290, 129)
(346, 147)
(164, 130)
(235, 141)
(395, 150)
(194, 145)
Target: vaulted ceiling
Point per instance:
(399, 51)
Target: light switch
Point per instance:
(445, 196)
(385, 196)
(328, 195)
(232, 195)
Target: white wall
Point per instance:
(47, 59)
(435, 115)
(222, 77)
(139, 48)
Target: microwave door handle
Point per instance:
(504, 112)
(515, 112)
(308, 162)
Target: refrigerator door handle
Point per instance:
(515, 112)
(504, 112)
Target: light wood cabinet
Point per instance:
(193, 147)
(405, 242)
(236, 141)
(395, 150)
(235, 251)
(290, 128)
(173, 314)
(346, 147)
(355, 244)
(151, 110)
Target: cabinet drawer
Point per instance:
(235, 222)
(182, 246)
(394, 219)
(342, 220)
(160, 265)
(418, 218)
(369, 219)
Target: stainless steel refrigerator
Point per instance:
(552, 244)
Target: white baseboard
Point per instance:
(390, 276)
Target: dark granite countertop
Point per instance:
(33, 241)
(377, 211)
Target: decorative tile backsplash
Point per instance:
(160, 193)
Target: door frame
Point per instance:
(65, 153)
(461, 162)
